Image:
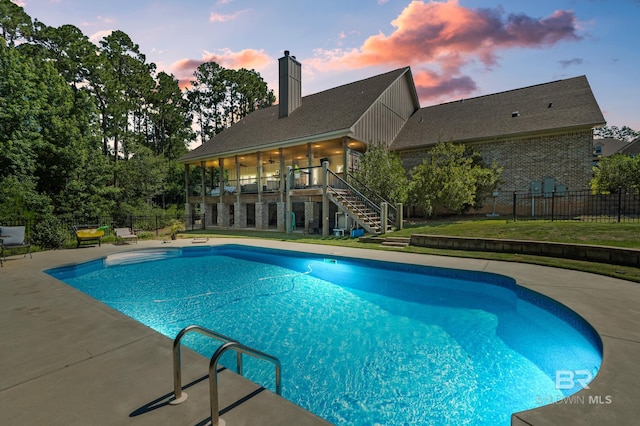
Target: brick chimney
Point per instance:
(290, 85)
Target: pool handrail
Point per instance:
(178, 395)
(213, 372)
(228, 343)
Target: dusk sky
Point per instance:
(456, 48)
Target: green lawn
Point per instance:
(598, 233)
(610, 234)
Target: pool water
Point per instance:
(360, 342)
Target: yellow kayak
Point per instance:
(89, 233)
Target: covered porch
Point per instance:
(249, 190)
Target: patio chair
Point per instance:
(12, 237)
(125, 234)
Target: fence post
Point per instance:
(553, 203)
(619, 204)
(514, 206)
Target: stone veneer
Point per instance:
(240, 215)
(282, 216)
(262, 215)
(224, 218)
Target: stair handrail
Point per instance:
(346, 185)
(359, 195)
(392, 210)
(213, 372)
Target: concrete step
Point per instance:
(396, 242)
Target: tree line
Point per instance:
(90, 130)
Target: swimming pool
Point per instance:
(360, 342)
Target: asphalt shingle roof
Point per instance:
(609, 146)
(332, 110)
(562, 104)
(632, 148)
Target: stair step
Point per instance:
(396, 241)
(394, 244)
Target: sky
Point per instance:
(456, 48)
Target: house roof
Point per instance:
(632, 148)
(559, 105)
(609, 146)
(321, 116)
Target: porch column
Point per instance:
(238, 187)
(223, 215)
(203, 180)
(282, 214)
(262, 215)
(188, 212)
(208, 214)
(345, 159)
(221, 178)
(283, 179)
(325, 200)
(240, 215)
(309, 207)
(259, 174)
(289, 208)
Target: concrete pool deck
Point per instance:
(67, 359)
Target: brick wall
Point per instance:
(565, 157)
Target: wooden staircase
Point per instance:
(350, 203)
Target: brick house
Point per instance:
(283, 166)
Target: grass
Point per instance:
(596, 233)
(610, 234)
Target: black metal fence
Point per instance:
(622, 206)
(155, 224)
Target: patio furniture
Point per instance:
(88, 234)
(12, 237)
(125, 234)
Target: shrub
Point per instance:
(49, 233)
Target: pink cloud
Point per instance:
(447, 36)
(431, 85)
(218, 17)
(96, 37)
(247, 58)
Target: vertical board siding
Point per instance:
(384, 120)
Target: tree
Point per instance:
(207, 97)
(67, 48)
(382, 172)
(171, 119)
(448, 179)
(616, 172)
(221, 97)
(15, 24)
(624, 134)
(487, 178)
(20, 105)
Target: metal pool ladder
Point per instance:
(228, 343)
